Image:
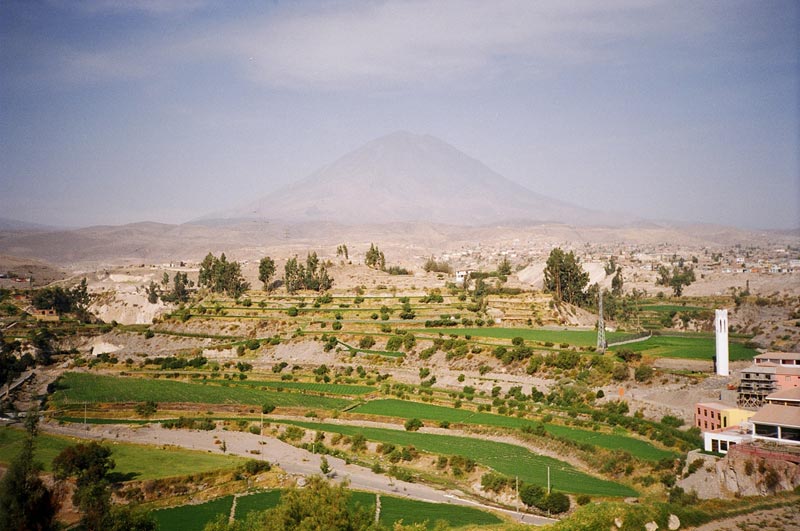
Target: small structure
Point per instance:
(44, 315)
(722, 440)
(462, 276)
(721, 327)
(777, 423)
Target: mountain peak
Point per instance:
(406, 176)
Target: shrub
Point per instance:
(292, 312)
(253, 466)
(267, 408)
(337, 325)
(366, 342)
(413, 424)
(643, 373)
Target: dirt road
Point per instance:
(291, 459)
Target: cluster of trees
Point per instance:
(565, 278)
(27, 504)
(10, 365)
(266, 270)
(432, 265)
(313, 276)
(178, 293)
(62, 300)
(375, 258)
(341, 250)
(678, 278)
(222, 276)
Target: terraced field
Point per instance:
(583, 338)
(407, 410)
(82, 387)
(508, 459)
(195, 517)
(133, 461)
(325, 388)
(688, 347)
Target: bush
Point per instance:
(267, 408)
(555, 502)
(531, 495)
(292, 312)
(413, 424)
(337, 325)
(253, 466)
(366, 342)
(583, 499)
(643, 373)
(494, 482)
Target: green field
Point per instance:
(689, 347)
(508, 459)
(666, 308)
(82, 387)
(192, 517)
(413, 512)
(583, 338)
(325, 388)
(407, 410)
(133, 461)
(195, 517)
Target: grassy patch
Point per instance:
(688, 347)
(325, 388)
(583, 338)
(193, 517)
(133, 461)
(414, 512)
(505, 458)
(407, 410)
(81, 387)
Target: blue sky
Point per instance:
(114, 111)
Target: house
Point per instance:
(709, 416)
(770, 372)
(778, 422)
(43, 315)
(461, 276)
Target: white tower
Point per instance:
(721, 326)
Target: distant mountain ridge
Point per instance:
(405, 177)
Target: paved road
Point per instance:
(293, 460)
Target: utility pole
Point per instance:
(548, 479)
(517, 489)
(601, 326)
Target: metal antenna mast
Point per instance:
(601, 326)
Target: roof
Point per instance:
(715, 405)
(763, 368)
(778, 356)
(793, 393)
(775, 414)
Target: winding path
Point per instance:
(295, 461)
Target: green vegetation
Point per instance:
(82, 387)
(194, 517)
(325, 388)
(505, 458)
(133, 461)
(416, 512)
(572, 337)
(689, 347)
(409, 410)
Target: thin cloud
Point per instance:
(148, 7)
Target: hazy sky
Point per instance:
(114, 111)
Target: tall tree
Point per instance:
(678, 278)
(89, 464)
(616, 283)
(564, 276)
(26, 504)
(375, 258)
(266, 270)
(504, 267)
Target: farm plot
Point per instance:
(82, 387)
(407, 410)
(324, 388)
(583, 338)
(195, 517)
(192, 517)
(505, 458)
(688, 347)
(133, 461)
